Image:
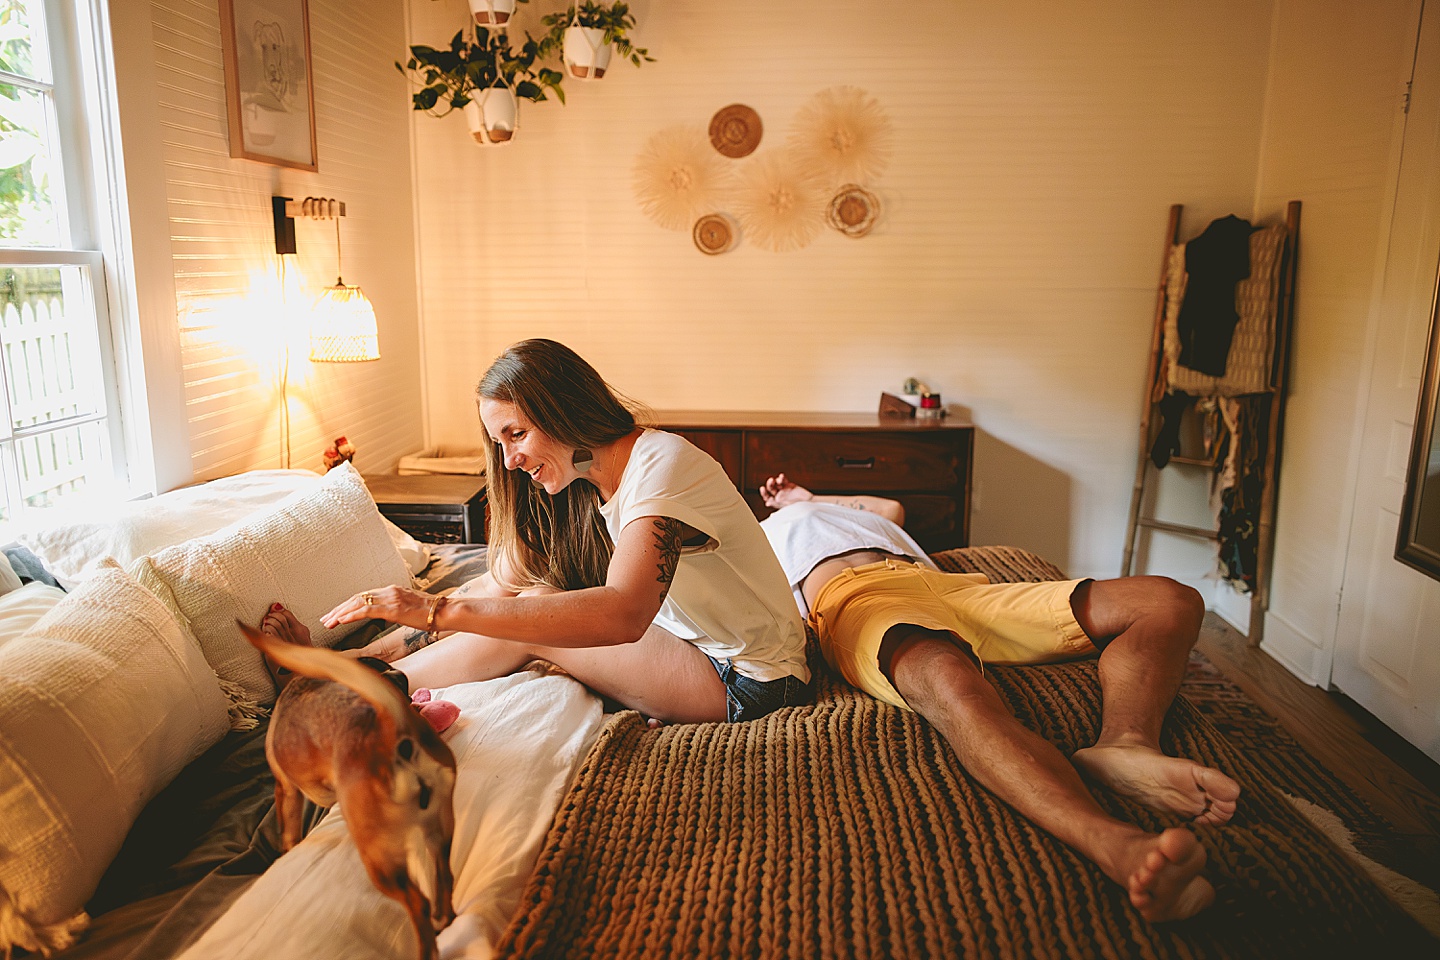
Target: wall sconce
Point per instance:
(343, 327)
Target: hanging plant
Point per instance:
(586, 35)
(493, 13)
(449, 79)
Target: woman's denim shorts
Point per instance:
(750, 699)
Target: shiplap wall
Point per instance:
(1334, 124)
(234, 325)
(1037, 149)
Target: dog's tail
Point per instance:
(391, 707)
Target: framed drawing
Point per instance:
(269, 85)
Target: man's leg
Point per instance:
(1146, 627)
(937, 677)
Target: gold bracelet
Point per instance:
(430, 631)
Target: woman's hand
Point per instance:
(395, 604)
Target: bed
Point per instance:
(840, 829)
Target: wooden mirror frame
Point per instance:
(1410, 549)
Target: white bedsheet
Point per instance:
(517, 744)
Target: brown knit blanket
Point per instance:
(847, 829)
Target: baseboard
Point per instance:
(1232, 606)
(1295, 651)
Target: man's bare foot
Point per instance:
(1167, 784)
(1162, 876)
(281, 624)
(779, 492)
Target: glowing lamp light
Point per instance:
(343, 327)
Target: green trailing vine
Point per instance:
(449, 78)
(614, 18)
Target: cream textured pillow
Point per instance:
(313, 550)
(102, 702)
(20, 609)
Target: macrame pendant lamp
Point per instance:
(343, 328)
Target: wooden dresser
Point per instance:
(924, 464)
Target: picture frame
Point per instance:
(269, 81)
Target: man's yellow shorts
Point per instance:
(1005, 623)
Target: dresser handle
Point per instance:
(846, 463)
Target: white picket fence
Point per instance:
(41, 346)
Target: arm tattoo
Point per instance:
(418, 640)
(667, 540)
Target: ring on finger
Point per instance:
(368, 599)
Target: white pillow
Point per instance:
(311, 551)
(102, 702)
(415, 554)
(71, 541)
(517, 744)
(20, 609)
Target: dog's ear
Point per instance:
(392, 709)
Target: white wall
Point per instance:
(229, 329)
(1037, 149)
(1333, 122)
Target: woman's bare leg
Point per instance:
(660, 675)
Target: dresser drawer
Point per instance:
(859, 462)
(723, 445)
(934, 521)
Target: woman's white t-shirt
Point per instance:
(729, 596)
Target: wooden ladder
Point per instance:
(1145, 471)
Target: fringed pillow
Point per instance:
(102, 702)
(313, 550)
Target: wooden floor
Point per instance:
(1399, 783)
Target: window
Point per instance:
(58, 428)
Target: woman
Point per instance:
(687, 617)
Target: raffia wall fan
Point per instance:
(688, 178)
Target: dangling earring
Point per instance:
(583, 460)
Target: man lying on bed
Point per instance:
(897, 628)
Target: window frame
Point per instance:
(76, 131)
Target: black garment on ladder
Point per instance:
(1215, 262)
(1167, 442)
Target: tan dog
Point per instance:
(356, 741)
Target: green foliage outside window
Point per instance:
(27, 211)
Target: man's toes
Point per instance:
(1179, 845)
(1219, 787)
(1166, 884)
(1217, 812)
(1221, 793)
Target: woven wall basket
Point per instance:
(736, 130)
(714, 233)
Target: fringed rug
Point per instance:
(847, 829)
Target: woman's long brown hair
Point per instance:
(560, 541)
